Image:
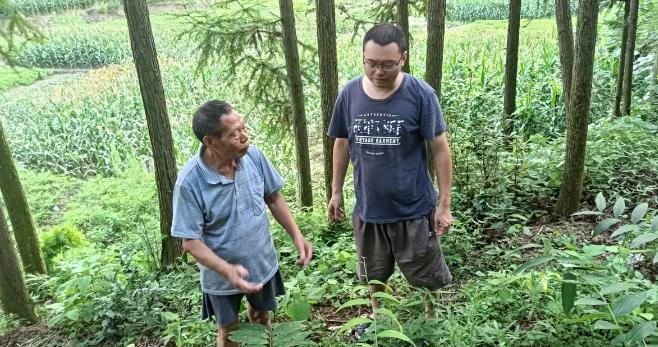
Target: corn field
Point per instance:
(472, 10)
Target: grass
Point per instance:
(14, 77)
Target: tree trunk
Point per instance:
(403, 22)
(581, 92)
(436, 27)
(13, 294)
(326, 31)
(26, 236)
(630, 58)
(565, 44)
(155, 108)
(511, 63)
(296, 92)
(622, 61)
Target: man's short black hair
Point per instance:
(385, 33)
(205, 121)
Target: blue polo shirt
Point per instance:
(228, 216)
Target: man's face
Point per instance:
(233, 140)
(382, 64)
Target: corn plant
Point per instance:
(77, 50)
(472, 10)
(47, 6)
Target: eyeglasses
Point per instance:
(384, 65)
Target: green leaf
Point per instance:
(600, 202)
(250, 334)
(616, 288)
(588, 317)
(620, 206)
(644, 238)
(385, 296)
(589, 301)
(353, 323)
(290, 334)
(655, 258)
(568, 292)
(628, 303)
(386, 312)
(395, 335)
(170, 316)
(640, 332)
(299, 309)
(605, 325)
(532, 262)
(638, 212)
(624, 229)
(377, 283)
(83, 283)
(604, 225)
(73, 314)
(592, 251)
(353, 302)
(654, 224)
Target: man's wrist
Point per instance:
(444, 202)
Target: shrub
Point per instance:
(58, 240)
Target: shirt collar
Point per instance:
(210, 175)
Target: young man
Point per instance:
(219, 212)
(381, 121)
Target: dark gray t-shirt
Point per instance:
(387, 148)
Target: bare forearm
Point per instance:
(443, 168)
(281, 212)
(340, 162)
(204, 256)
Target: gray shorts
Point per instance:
(412, 244)
(226, 308)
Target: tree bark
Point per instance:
(511, 63)
(25, 233)
(403, 22)
(580, 99)
(296, 92)
(622, 61)
(155, 108)
(565, 44)
(630, 58)
(13, 294)
(436, 27)
(326, 31)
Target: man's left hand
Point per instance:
(305, 250)
(442, 220)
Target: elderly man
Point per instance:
(219, 212)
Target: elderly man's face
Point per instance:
(233, 140)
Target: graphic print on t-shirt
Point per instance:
(377, 129)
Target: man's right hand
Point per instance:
(335, 208)
(237, 275)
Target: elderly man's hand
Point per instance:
(305, 250)
(237, 275)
